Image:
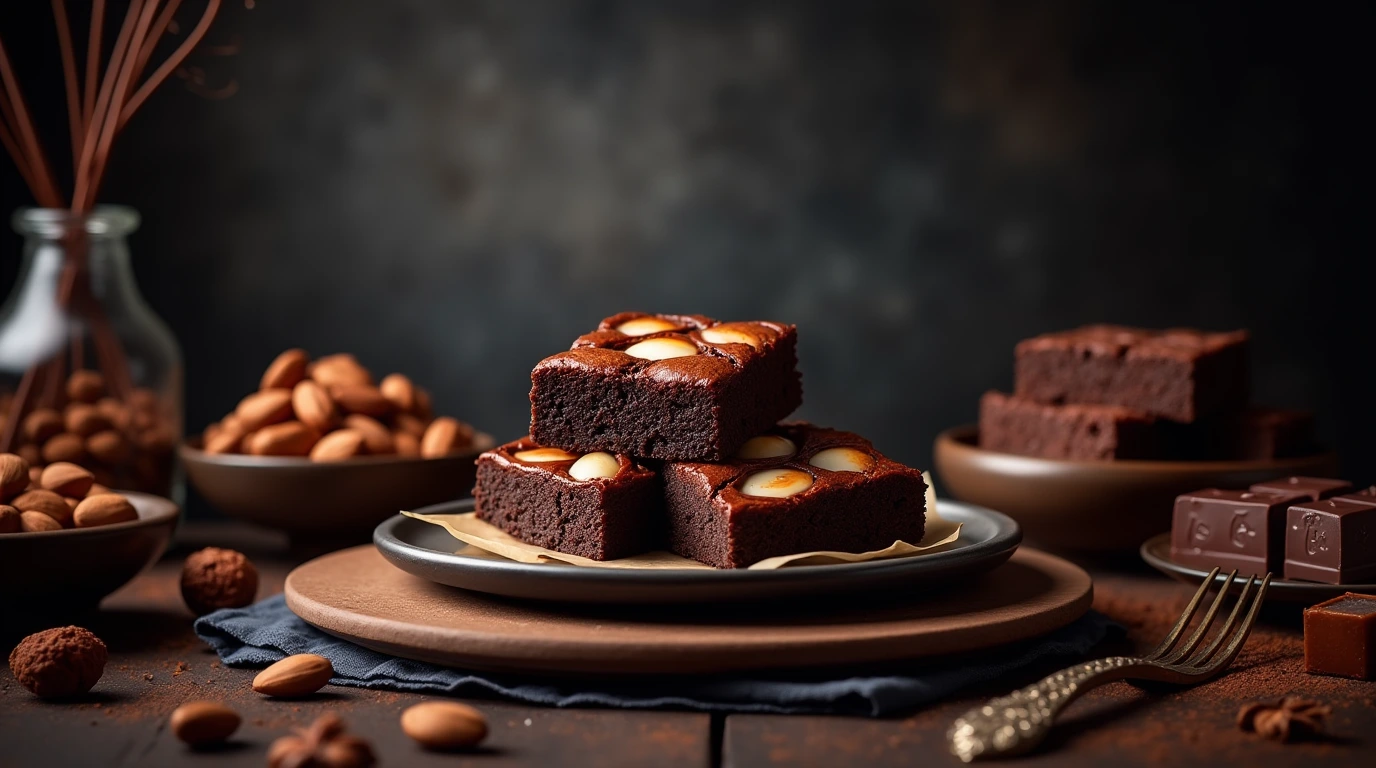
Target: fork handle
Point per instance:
(1016, 723)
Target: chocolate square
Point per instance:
(1332, 541)
(1243, 530)
(1340, 637)
(1364, 496)
(1312, 488)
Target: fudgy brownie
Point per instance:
(1091, 432)
(595, 505)
(682, 387)
(1179, 374)
(795, 488)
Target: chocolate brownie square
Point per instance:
(594, 505)
(1084, 432)
(1243, 530)
(795, 488)
(1179, 374)
(679, 387)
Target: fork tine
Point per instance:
(1239, 637)
(1203, 628)
(1184, 617)
(1225, 631)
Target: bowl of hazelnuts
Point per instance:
(69, 540)
(325, 452)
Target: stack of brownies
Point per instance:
(663, 431)
(1109, 392)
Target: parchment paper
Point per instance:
(489, 539)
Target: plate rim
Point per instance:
(1278, 586)
(1006, 540)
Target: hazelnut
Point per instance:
(595, 466)
(766, 447)
(842, 460)
(215, 578)
(662, 348)
(642, 326)
(776, 483)
(61, 662)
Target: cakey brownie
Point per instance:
(595, 505)
(1179, 374)
(1087, 432)
(666, 387)
(796, 488)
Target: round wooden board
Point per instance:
(360, 597)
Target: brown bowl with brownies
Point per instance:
(325, 452)
(1107, 425)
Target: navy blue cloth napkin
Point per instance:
(268, 631)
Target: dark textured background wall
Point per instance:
(455, 189)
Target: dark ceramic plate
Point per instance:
(73, 569)
(1157, 552)
(428, 551)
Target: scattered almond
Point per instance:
(103, 509)
(444, 725)
(199, 723)
(66, 479)
(286, 371)
(294, 676)
(338, 445)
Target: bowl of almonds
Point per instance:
(69, 540)
(322, 450)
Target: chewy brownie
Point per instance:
(796, 488)
(682, 387)
(1179, 374)
(1089, 432)
(594, 505)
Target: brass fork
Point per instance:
(1017, 723)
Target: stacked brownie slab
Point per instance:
(1107, 392)
(658, 431)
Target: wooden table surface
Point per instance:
(156, 663)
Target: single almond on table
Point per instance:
(66, 479)
(64, 447)
(290, 438)
(299, 675)
(14, 475)
(399, 390)
(443, 437)
(313, 405)
(10, 520)
(109, 446)
(103, 509)
(42, 424)
(46, 502)
(406, 444)
(338, 445)
(37, 522)
(85, 386)
(260, 409)
(199, 723)
(362, 399)
(444, 725)
(340, 370)
(377, 437)
(286, 371)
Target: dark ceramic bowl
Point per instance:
(1105, 507)
(77, 567)
(338, 500)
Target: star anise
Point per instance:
(323, 745)
(1291, 719)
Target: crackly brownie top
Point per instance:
(793, 461)
(1134, 343)
(526, 455)
(683, 347)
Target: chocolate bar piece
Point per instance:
(1014, 424)
(594, 505)
(1364, 496)
(1331, 541)
(1311, 488)
(682, 387)
(1179, 374)
(1243, 530)
(1340, 637)
(796, 488)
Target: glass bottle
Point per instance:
(88, 373)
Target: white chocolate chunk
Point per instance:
(728, 335)
(542, 455)
(594, 466)
(641, 326)
(662, 348)
(776, 483)
(843, 460)
(766, 447)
